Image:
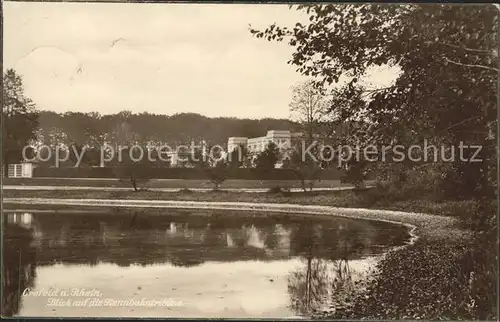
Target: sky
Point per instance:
(156, 58)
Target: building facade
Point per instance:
(234, 142)
(281, 138)
(20, 170)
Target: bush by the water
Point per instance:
(430, 281)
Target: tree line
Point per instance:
(24, 124)
(90, 128)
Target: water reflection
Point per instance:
(19, 262)
(320, 282)
(309, 255)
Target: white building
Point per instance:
(21, 219)
(234, 142)
(281, 138)
(181, 157)
(20, 170)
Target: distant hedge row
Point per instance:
(179, 173)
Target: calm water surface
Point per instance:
(183, 263)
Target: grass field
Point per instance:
(167, 183)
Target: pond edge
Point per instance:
(353, 213)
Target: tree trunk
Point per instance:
(308, 284)
(361, 184)
(6, 169)
(303, 184)
(134, 184)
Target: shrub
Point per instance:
(285, 192)
(217, 174)
(477, 215)
(274, 190)
(429, 281)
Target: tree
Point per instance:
(19, 271)
(309, 107)
(307, 285)
(446, 91)
(218, 173)
(268, 158)
(80, 127)
(131, 160)
(133, 167)
(94, 130)
(355, 173)
(214, 167)
(355, 137)
(19, 117)
(447, 56)
(307, 168)
(123, 134)
(238, 157)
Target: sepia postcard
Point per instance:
(298, 161)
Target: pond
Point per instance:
(183, 263)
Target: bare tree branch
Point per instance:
(372, 91)
(460, 123)
(484, 51)
(471, 65)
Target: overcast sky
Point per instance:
(157, 58)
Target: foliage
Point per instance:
(212, 164)
(218, 173)
(132, 167)
(19, 117)
(307, 167)
(428, 281)
(446, 93)
(186, 173)
(268, 158)
(353, 138)
(309, 107)
(446, 88)
(308, 287)
(18, 268)
(93, 129)
(238, 157)
(355, 173)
